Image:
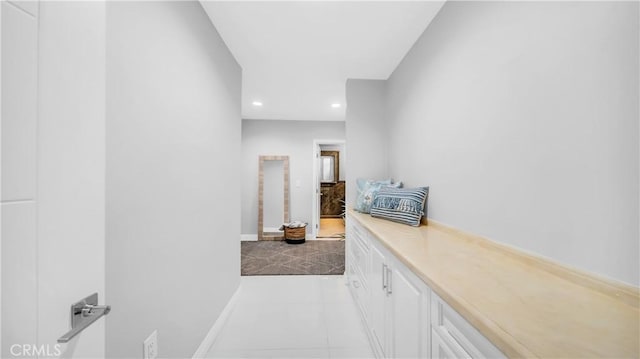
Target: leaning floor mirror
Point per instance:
(273, 196)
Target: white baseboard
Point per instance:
(210, 338)
(254, 237)
(248, 237)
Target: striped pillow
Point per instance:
(403, 205)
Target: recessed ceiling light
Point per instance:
(335, 105)
(257, 103)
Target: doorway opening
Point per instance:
(329, 193)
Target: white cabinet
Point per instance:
(379, 304)
(398, 314)
(407, 315)
(405, 319)
(357, 248)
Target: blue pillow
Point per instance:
(403, 205)
(367, 190)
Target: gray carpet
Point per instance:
(281, 258)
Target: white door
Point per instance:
(317, 194)
(317, 191)
(53, 160)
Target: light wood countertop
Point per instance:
(526, 305)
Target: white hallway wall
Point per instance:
(523, 119)
(287, 138)
(366, 133)
(173, 155)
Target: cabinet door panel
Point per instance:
(407, 317)
(358, 290)
(378, 298)
(444, 346)
(360, 258)
(448, 320)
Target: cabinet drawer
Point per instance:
(448, 322)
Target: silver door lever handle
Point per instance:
(90, 309)
(84, 313)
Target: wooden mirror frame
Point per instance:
(285, 219)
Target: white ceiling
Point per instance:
(297, 55)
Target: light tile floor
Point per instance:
(293, 317)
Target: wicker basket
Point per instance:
(295, 233)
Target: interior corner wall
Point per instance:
(283, 138)
(173, 153)
(522, 117)
(366, 133)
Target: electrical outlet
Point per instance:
(150, 346)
